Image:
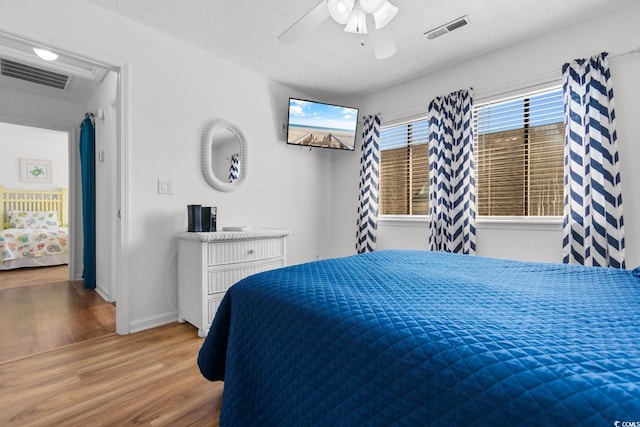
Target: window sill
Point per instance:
(536, 223)
(403, 220)
(550, 223)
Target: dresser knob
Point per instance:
(250, 251)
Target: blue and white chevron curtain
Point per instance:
(452, 184)
(234, 167)
(593, 222)
(369, 186)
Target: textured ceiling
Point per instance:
(330, 62)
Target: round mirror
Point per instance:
(224, 155)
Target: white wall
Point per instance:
(524, 64)
(34, 110)
(17, 141)
(106, 129)
(175, 90)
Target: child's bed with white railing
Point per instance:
(34, 228)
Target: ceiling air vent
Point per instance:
(447, 28)
(33, 74)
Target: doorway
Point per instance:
(41, 308)
(105, 103)
(34, 181)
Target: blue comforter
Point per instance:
(416, 338)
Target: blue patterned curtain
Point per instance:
(369, 186)
(88, 177)
(593, 222)
(234, 167)
(452, 185)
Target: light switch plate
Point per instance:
(166, 186)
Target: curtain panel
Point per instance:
(234, 167)
(88, 179)
(452, 185)
(369, 186)
(593, 220)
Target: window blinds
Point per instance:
(404, 169)
(519, 159)
(519, 151)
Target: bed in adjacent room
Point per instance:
(35, 230)
(419, 338)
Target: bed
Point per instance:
(34, 228)
(418, 338)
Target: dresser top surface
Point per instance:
(255, 233)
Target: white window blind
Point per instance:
(519, 151)
(404, 169)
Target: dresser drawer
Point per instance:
(213, 303)
(244, 250)
(221, 279)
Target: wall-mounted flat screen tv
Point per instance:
(316, 124)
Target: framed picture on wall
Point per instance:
(35, 171)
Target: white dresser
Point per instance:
(209, 263)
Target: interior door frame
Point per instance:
(120, 267)
(73, 134)
(120, 239)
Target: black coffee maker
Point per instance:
(201, 218)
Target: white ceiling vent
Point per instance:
(447, 28)
(34, 74)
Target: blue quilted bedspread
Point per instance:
(414, 338)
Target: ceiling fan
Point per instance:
(358, 16)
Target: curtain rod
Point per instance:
(548, 74)
(632, 51)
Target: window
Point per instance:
(520, 151)
(519, 159)
(404, 169)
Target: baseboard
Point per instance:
(105, 295)
(153, 322)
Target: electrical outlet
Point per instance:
(166, 186)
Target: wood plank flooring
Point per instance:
(21, 277)
(146, 379)
(41, 310)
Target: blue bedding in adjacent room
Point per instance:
(417, 338)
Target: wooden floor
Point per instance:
(146, 379)
(22, 277)
(41, 310)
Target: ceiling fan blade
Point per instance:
(314, 17)
(382, 42)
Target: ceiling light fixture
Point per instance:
(357, 23)
(340, 10)
(371, 6)
(384, 15)
(47, 55)
(352, 14)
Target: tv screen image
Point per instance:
(316, 124)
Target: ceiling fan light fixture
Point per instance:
(384, 15)
(44, 54)
(357, 22)
(340, 10)
(371, 6)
